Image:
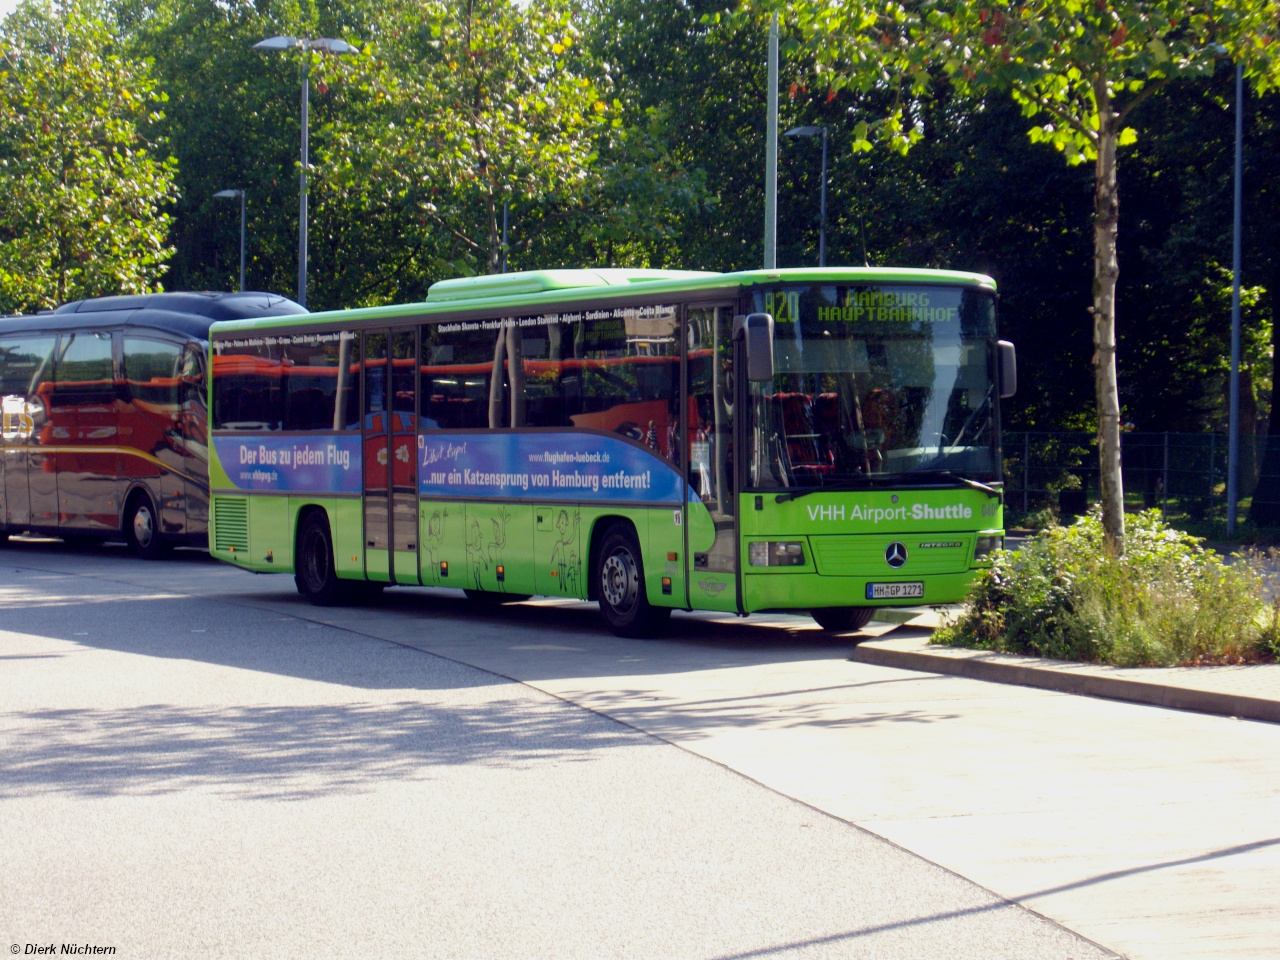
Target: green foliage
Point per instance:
(1166, 601)
(492, 107)
(83, 180)
(1079, 68)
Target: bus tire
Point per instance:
(842, 619)
(619, 585)
(314, 574)
(494, 597)
(142, 528)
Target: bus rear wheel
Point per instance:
(842, 619)
(314, 573)
(142, 529)
(620, 587)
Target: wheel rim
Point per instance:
(144, 528)
(620, 581)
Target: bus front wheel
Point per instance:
(842, 619)
(142, 529)
(620, 587)
(314, 574)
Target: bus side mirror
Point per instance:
(757, 330)
(1008, 369)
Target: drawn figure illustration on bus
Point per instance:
(477, 562)
(565, 565)
(499, 542)
(433, 541)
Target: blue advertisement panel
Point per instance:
(315, 464)
(543, 466)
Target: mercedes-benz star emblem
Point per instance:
(895, 554)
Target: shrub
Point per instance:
(1165, 601)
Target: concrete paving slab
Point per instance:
(1249, 691)
(1149, 830)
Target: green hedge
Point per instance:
(1165, 602)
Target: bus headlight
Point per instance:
(776, 553)
(982, 549)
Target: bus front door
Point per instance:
(26, 360)
(712, 529)
(390, 456)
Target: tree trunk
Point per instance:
(1106, 269)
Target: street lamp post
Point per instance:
(240, 194)
(1233, 441)
(822, 215)
(324, 45)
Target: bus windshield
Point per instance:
(875, 383)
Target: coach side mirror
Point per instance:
(757, 330)
(1008, 369)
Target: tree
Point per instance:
(84, 184)
(489, 105)
(1080, 69)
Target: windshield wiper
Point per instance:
(871, 481)
(952, 475)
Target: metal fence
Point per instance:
(1182, 474)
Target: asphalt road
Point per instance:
(193, 763)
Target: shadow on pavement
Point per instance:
(285, 752)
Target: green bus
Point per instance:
(822, 440)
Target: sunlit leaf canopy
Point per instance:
(83, 179)
(1063, 61)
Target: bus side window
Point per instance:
(625, 377)
(309, 375)
(247, 389)
(457, 391)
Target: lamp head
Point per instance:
(330, 45)
(277, 43)
(804, 131)
(229, 193)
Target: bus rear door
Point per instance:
(390, 456)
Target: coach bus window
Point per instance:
(151, 372)
(84, 371)
(20, 358)
(22, 362)
(457, 365)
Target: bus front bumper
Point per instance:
(807, 591)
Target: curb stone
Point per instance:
(1112, 683)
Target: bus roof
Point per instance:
(532, 289)
(187, 313)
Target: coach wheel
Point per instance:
(620, 587)
(142, 529)
(842, 619)
(313, 571)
